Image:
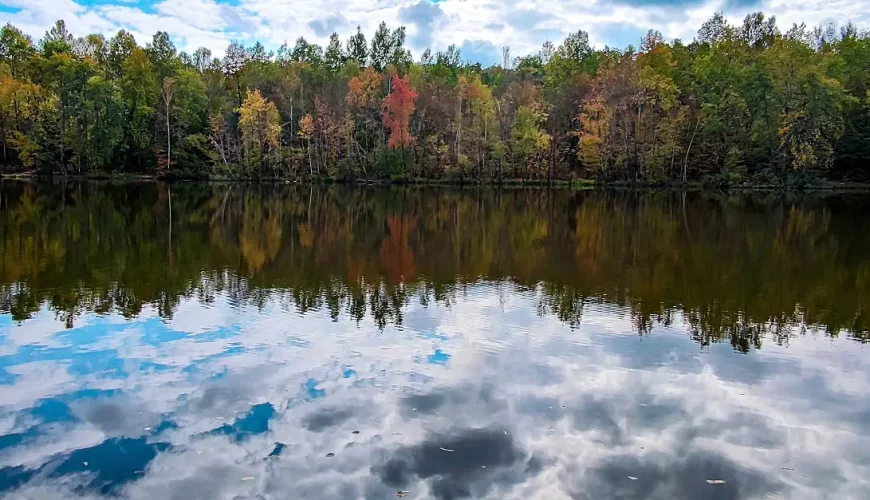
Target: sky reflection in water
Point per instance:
(484, 395)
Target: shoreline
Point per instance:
(577, 184)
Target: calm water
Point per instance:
(228, 341)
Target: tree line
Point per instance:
(739, 103)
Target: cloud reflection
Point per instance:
(563, 413)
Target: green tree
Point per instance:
(357, 49)
(334, 58)
(139, 91)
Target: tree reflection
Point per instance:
(732, 268)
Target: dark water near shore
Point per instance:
(271, 341)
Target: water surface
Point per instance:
(273, 341)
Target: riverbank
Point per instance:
(816, 185)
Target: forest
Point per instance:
(739, 104)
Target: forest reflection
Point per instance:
(738, 268)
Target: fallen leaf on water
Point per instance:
(715, 481)
(445, 449)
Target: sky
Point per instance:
(479, 27)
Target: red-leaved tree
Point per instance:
(396, 113)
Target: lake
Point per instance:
(279, 341)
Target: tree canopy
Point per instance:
(740, 103)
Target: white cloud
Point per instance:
(521, 24)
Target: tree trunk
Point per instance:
(168, 143)
(5, 160)
(686, 159)
(459, 132)
(310, 165)
(62, 129)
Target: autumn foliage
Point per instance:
(397, 110)
(741, 103)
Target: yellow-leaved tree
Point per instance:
(18, 102)
(260, 124)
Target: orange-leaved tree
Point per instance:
(396, 114)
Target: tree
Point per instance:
(121, 46)
(388, 49)
(261, 130)
(758, 31)
(57, 40)
(397, 110)
(811, 129)
(714, 30)
(139, 91)
(17, 104)
(163, 54)
(309, 53)
(481, 106)
(334, 58)
(528, 138)
(306, 130)
(233, 65)
(100, 125)
(382, 48)
(201, 59)
(166, 95)
(357, 49)
(16, 49)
